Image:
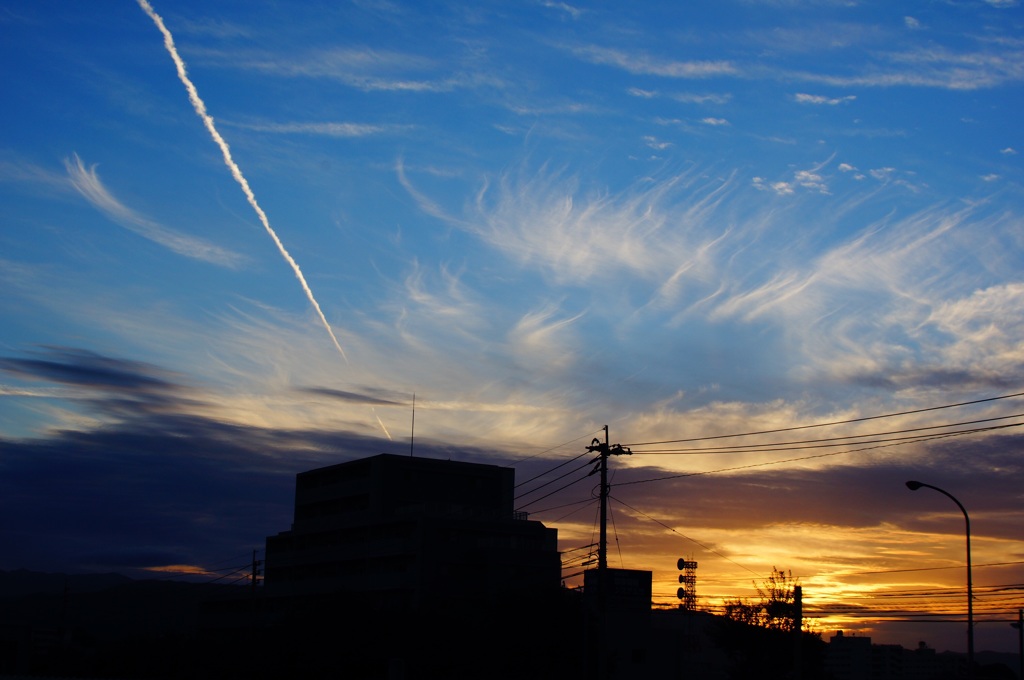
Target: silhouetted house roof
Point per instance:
(404, 532)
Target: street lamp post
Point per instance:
(914, 486)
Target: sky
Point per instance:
(239, 240)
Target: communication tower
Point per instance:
(687, 592)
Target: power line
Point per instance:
(692, 540)
(552, 493)
(828, 424)
(590, 501)
(803, 458)
(548, 472)
(960, 566)
(560, 477)
(794, 445)
(555, 448)
(783, 447)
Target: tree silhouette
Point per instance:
(776, 608)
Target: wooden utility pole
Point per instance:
(1020, 641)
(255, 576)
(798, 633)
(604, 450)
(602, 546)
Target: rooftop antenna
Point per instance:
(412, 435)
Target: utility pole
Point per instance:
(798, 624)
(602, 546)
(604, 450)
(1019, 625)
(254, 578)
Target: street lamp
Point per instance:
(914, 486)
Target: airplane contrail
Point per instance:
(381, 423)
(200, 107)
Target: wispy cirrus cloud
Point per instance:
(641, 63)
(327, 129)
(912, 305)
(809, 179)
(936, 67)
(87, 182)
(693, 98)
(544, 338)
(802, 98)
(364, 69)
(869, 308)
(572, 11)
(546, 220)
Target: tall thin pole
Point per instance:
(603, 450)
(412, 433)
(254, 579)
(914, 486)
(798, 633)
(602, 546)
(1020, 642)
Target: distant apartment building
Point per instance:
(855, 658)
(406, 532)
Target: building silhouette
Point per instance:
(401, 532)
(856, 658)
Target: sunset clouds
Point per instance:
(539, 220)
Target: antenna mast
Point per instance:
(412, 434)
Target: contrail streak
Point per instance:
(200, 107)
(381, 423)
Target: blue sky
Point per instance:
(540, 218)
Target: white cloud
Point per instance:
(88, 184)
(911, 23)
(936, 67)
(365, 69)
(690, 98)
(644, 64)
(818, 99)
(544, 220)
(574, 12)
(846, 167)
(543, 341)
(1009, 151)
(643, 94)
(895, 303)
(715, 121)
(780, 188)
(811, 180)
(985, 327)
(656, 144)
(326, 129)
(990, 177)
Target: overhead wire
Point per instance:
(795, 445)
(829, 424)
(710, 550)
(558, 478)
(783, 447)
(877, 440)
(547, 472)
(944, 435)
(552, 493)
(555, 448)
(570, 514)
